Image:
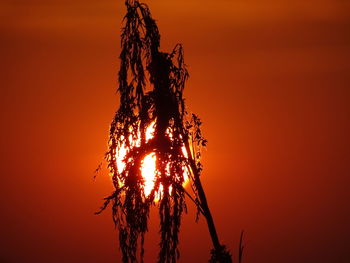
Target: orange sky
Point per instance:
(271, 82)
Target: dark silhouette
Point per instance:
(151, 85)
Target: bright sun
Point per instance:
(148, 170)
(148, 164)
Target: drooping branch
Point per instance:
(151, 85)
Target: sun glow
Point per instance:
(148, 163)
(148, 170)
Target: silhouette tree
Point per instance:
(151, 85)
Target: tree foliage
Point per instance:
(151, 85)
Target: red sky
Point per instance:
(271, 82)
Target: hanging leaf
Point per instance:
(152, 127)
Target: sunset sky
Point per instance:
(271, 82)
